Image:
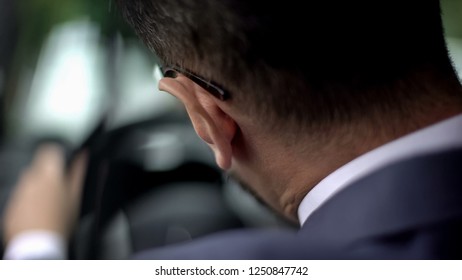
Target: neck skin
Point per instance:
(282, 173)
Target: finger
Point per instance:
(48, 162)
(44, 172)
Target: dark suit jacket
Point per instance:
(411, 209)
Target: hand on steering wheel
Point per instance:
(47, 196)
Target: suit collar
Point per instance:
(400, 197)
(440, 136)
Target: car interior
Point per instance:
(89, 83)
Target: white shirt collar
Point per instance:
(440, 136)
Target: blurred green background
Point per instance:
(61, 69)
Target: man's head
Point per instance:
(300, 75)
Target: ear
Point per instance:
(211, 123)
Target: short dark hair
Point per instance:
(308, 61)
